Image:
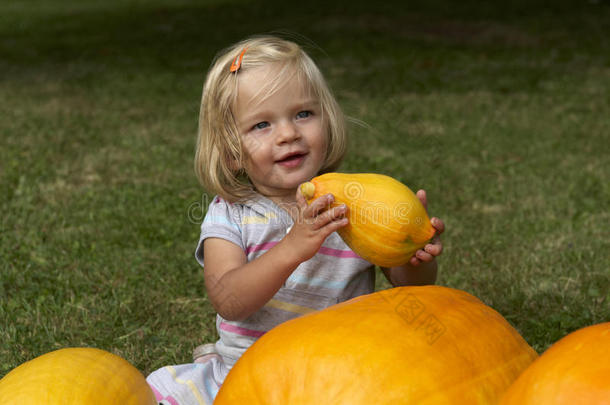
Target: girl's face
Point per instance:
(283, 136)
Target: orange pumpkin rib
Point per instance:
(391, 255)
(574, 370)
(407, 345)
(75, 376)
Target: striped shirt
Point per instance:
(333, 275)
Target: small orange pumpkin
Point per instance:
(408, 345)
(574, 370)
(75, 376)
(387, 222)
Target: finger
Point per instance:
(438, 224)
(421, 194)
(319, 204)
(434, 248)
(332, 214)
(333, 226)
(300, 198)
(423, 256)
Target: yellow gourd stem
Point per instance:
(308, 189)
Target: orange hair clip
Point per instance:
(237, 61)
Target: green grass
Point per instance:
(499, 111)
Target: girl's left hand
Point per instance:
(435, 247)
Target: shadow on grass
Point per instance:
(424, 46)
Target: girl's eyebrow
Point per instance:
(253, 117)
(310, 102)
(305, 103)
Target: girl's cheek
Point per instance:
(252, 144)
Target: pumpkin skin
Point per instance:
(407, 345)
(387, 222)
(574, 370)
(74, 376)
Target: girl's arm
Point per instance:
(407, 274)
(422, 267)
(238, 288)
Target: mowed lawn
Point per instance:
(500, 111)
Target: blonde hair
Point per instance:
(219, 153)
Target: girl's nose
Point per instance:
(287, 132)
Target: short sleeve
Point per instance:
(221, 221)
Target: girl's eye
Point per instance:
(261, 125)
(304, 114)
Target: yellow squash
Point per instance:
(574, 370)
(427, 345)
(387, 222)
(76, 376)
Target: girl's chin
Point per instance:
(286, 181)
(297, 177)
(281, 188)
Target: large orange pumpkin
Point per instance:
(406, 345)
(76, 376)
(387, 222)
(574, 370)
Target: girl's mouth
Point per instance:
(292, 160)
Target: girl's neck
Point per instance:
(289, 206)
(283, 201)
(279, 197)
(286, 202)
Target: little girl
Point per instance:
(268, 122)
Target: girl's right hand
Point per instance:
(313, 223)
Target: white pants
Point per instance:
(188, 384)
